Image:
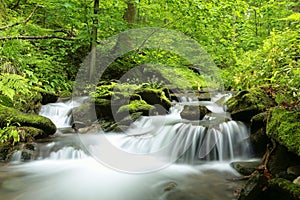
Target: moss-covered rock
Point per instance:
(113, 100)
(284, 127)
(193, 112)
(280, 188)
(245, 104)
(137, 106)
(23, 119)
(155, 97)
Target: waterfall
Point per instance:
(188, 142)
(174, 138)
(60, 113)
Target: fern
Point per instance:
(15, 87)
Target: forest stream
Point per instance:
(68, 166)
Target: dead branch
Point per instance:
(22, 22)
(28, 37)
(262, 169)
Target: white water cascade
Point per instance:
(198, 154)
(60, 113)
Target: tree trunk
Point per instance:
(130, 13)
(94, 39)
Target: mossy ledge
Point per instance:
(284, 127)
(246, 104)
(23, 119)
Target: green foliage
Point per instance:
(17, 90)
(275, 65)
(8, 134)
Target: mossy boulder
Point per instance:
(23, 119)
(114, 100)
(193, 112)
(280, 188)
(136, 106)
(246, 104)
(155, 97)
(284, 127)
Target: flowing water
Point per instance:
(157, 158)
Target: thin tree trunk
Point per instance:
(94, 40)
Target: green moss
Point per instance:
(284, 127)
(24, 119)
(254, 98)
(135, 106)
(292, 189)
(154, 96)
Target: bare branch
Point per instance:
(22, 22)
(25, 37)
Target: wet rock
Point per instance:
(246, 104)
(94, 128)
(4, 151)
(253, 188)
(193, 112)
(281, 159)
(258, 121)
(259, 141)
(284, 127)
(48, 97)
(245, 168)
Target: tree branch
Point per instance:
(25, 37)
(22, 22)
